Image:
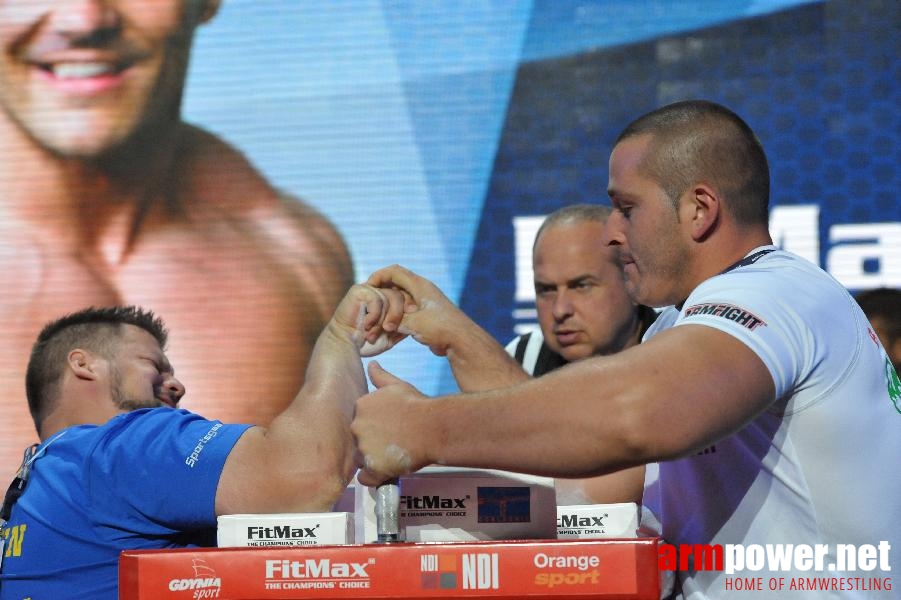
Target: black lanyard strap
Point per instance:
(18, 484)
(748, 260)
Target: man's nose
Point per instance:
(613, 233)
(175, 388)
(563, 306)
(80, 18)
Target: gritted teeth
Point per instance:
(81, 70)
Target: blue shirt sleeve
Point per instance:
(156, 471)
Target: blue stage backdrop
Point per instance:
(436, 134)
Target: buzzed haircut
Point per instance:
(93, 329)
(700, 141)
(574, 213)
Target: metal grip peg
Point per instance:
(387, 511)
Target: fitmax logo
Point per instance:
(315, 569)
(281, 532)
(577, 521)
(432, 502)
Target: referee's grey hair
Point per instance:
(574, 213)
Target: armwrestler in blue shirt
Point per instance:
(120, 467)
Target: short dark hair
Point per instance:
(698, 140)
(94, 329)
(883, 303)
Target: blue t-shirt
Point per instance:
(146, 479)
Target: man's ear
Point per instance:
(82, 364)
(704, 211)
(209, 10)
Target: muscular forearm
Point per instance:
(520, 428)
(304, 459)
(602, 414)
(318, 421)
(479, 362)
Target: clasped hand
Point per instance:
(391, 440)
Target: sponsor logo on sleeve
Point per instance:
(733, 313)
(194, 457)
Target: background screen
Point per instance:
(437, 134)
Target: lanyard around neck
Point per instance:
(748, 260)
(17, 487)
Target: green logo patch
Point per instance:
(894, 385)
